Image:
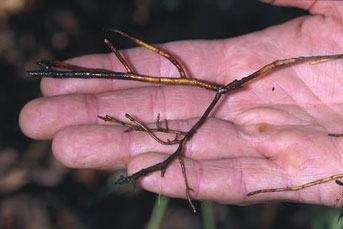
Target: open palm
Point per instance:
(271, 133)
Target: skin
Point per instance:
(257, 137)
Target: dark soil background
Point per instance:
(38, 192)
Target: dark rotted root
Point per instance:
(125, 180)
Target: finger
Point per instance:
(43, 117)
(103, 146)
(323, 7)
(202, 54)
(226, 181)
(92, 146)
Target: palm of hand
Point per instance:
(257, 137)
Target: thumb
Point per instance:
(323, 7)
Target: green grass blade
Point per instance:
(208, 215)
(158, 211)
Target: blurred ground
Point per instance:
(35, 190)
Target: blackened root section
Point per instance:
(162, 166)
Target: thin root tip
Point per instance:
(102, 117)
(117, 31)
(30, 73)
(113, 30)
(124, 180)
(36, 73)
(251, 193)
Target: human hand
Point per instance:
(257, 137)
